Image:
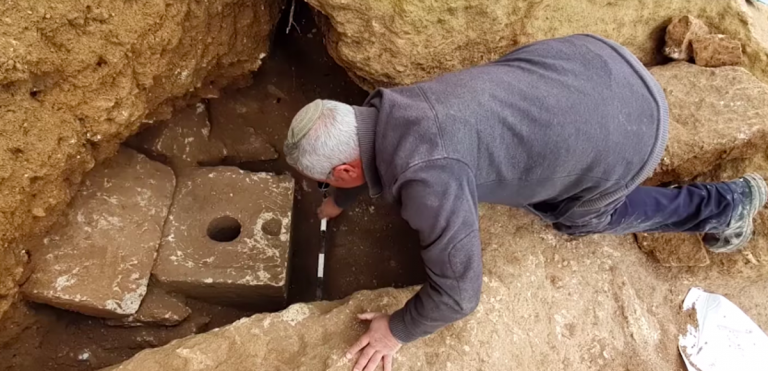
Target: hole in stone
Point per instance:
(272, 227)
(277, 100)
(101, 62)
(224, 229)
(34, 94)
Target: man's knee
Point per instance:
(583, 223)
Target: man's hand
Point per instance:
(328, 209)
(377, 345)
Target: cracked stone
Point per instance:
(679, 35)
(183, 140)
(98, 260)
(716, 51)
(157, 308)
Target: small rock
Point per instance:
(680, 33)
(276, 92)
(675, 249)
(39, 212)
(716, 51)
(157, 308)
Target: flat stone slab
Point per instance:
(183, 140)
(675, 249)
(716, 114)
(227, 237)
(158, 308)
(98, 260)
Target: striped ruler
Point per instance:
(321, 260)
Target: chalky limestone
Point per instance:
(227, 237)
(98, 260)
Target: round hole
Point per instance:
(224, 229)
(272, 227)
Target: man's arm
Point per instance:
(439, 200)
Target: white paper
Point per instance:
(726, 338)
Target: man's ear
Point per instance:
(345, 172)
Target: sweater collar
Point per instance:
(366, 118)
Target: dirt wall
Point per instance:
(392, 42)
(78, 77)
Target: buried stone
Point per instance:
(226, 240)
(98, 260)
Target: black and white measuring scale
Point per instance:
(321, 255)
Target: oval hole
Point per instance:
(224, 229)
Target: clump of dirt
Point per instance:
(78, 77)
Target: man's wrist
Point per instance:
(399, 329)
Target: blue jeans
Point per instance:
(695, 208)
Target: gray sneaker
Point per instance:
(752, 191)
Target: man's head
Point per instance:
(322, 144)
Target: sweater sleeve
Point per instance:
(439, 201)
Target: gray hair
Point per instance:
(323, 135)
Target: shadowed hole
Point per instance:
(224, 229)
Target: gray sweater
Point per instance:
(554, 126)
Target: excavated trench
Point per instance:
(369, 246)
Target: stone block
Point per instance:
(233, 123)
(716, 114)
(716, 51)
(679, 35)
(227, 237)
(98, 260)
(182, 140)
(158, 308)
(675, 249)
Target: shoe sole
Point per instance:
(759, 189)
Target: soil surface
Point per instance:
(368, 247)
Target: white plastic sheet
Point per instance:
(726, 339)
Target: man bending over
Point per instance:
(565, 128)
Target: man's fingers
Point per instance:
(388, 363)
(366, 316)
(368, 352)
(360, 344)
(374, 361)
